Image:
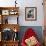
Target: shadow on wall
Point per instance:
(37, 29)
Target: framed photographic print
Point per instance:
(30, 13)
(5, 12)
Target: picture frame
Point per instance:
(30, 13)
(5, 12)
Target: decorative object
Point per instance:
(7, 34)
(5, 12)
(15, 3)
(6, 21)
(30, 13)
(15, 37)
(15, 30)
(13, 12)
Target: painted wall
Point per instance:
(26, 3)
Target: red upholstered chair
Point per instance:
(28, 34)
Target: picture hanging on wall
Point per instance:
(30, 13)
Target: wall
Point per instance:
(32, 3)
(26, 3)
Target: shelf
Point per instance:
(9, 11)
(10, 26)
(11, 41)
(7, 26)
(8, 8)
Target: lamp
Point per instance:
(15, 30)
(15, 35)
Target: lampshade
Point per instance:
(15, 30)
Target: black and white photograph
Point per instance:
(30, 13)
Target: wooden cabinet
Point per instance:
(9, 26)
(10, 43)
(6, 12)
